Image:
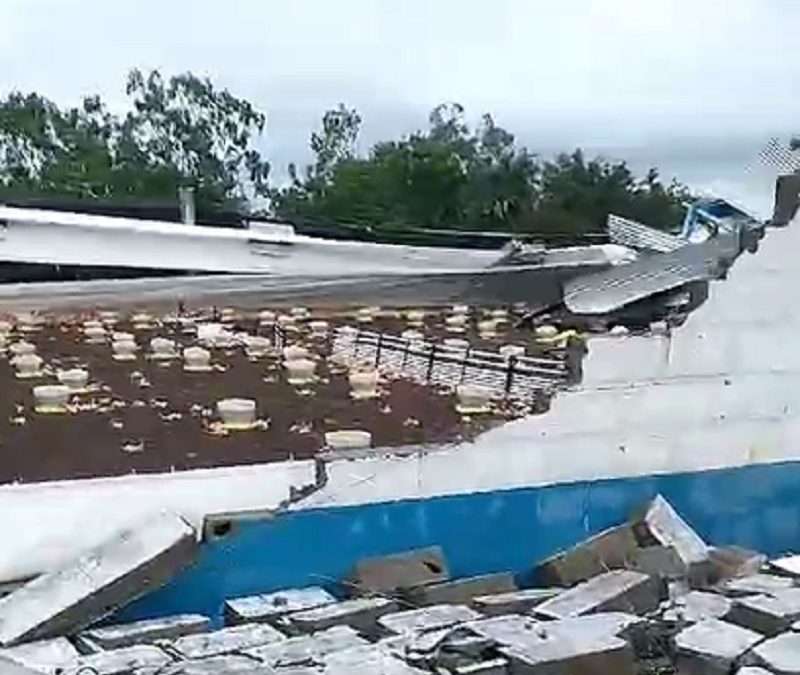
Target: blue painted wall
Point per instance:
(754, 506)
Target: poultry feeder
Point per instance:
(412, 335)
(228, 315)
(299, 313)
(499, 315)
(487, 329)
(455, 323)
(348, 439)
(415, 318)
(319, 329)
(29, 323)
(472, 399)
(27, 366)
(295, 352)
(365, 315)
(456, 344)
(123, 350)
(196, 360)
(507, 351)
(256, 346)
(94, 334)
(108, 318)
(121, 336)
(460, 309)
(237, 414)
(364, 384)
(22, 347)
(75, 379)
(266, 317)
(300, 371)
(51, 398)
(162, 349)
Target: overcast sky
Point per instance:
(633, 75)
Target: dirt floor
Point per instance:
(150, 416)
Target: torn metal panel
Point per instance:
(105, 578)
(635, 235)
(609, 290)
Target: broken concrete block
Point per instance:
(270, 606)
(659, 561)
(150, 630)
(226, 641)
(460, 591)
(124, 661)
(359, 613)
(220, 665)
(755, 584)
(729, 562)
(789, 564)
(661, 524)
(427, 618)
(125, 567)
(767, 614)
(544, 654)
(301, 650)
(712, 647)
(618, 590)
(44, 656)
(10, 668)
(611, 549)
(515, 602)
(753, 670)
(697, 606)
(391, 573)
(780, 654)
(368, 660)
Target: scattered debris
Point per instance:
(393, 573)
(271, 606)
(139, 632)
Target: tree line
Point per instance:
(183, 131)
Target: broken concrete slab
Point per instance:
(661, 524)
(126, 566)
(712, 647)
(767, 614)
(124, 661)
(226, 640)
(544, 654)
(755, 584)
(369, 660)
(611, 549)
(753, 670)
(729, 562)
(359, 613)
(779, 655)
(391, 573)
(617, 590)
(43, 656)
(220, 665)
(301, 650)
(147, 631)
(10, 668)
(268, 607)
(516, 602)
(696, 606)
(427, 618)
(789, 564)
(460, 591)
(659, 561)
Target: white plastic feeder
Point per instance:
(123, 350)
(507, 351)
(364, 384)
(456, 343)
(75, 379)
(546, 331)
(108, 318)
(29, 323)
(237, 413)
(51, 398)
(365, 315)
(22, 347)
(266, 317)
(487, 328)
(162, 349)
(121, 336)
(499, 314)
(94, 334)
(300, 371)
(228, 315)
(460, 309)
(319, 329)
(472, 399)
(27, 366)
(196, 360)
(455, 323)
(142, 321)
(256, 346)
(295, 352)
(415, 317)
(412, 335)
(348, 439)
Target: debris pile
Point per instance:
(646, 597)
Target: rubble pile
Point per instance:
(647, 597)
